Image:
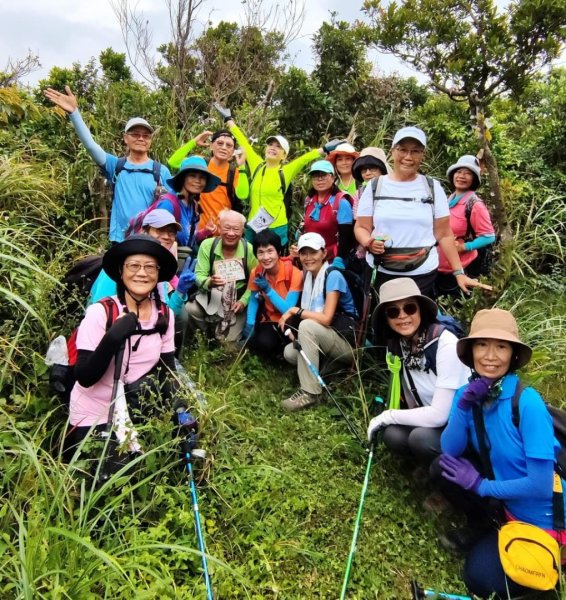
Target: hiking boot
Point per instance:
(462, 539)
(299, 400)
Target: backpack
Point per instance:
(558, 423)
(136, 223)
(483, 263)
(121, 166)
(286, 190)
(62, 377)
(355, 285)
(433, 333)
(81, 276)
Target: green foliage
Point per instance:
(114, 66)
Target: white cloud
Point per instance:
(61, 32)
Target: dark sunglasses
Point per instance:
(393, 312)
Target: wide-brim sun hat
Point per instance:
(343, 149)
(158, 218)
(311, 240)
(465, 162)
(194, 163)
(280, 140)
(138, 122)
(370, 157)
(322, 166)
(140, 243)
(413, 133)
(402, 288)
(495, 324)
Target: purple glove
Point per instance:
(475, 393)
(460, 471)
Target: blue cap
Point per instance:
(322, 166)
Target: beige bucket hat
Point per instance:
(496, 324)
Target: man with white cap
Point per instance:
(270, 179)
(403, 216)
(136, 179)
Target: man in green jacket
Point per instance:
(222, 271)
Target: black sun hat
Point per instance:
(140, 243)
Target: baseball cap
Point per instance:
(280, 140)
(311, 240)
(321, 166)
(410, 132)
(138, 121)
(159, 217)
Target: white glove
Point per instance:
(383, 420)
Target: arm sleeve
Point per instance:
(92, 364)
(243, 186)
(535, 485)
(291, 170)
(454, 438)
(177, 157)
(434, 415)
(479, 242)
(253, 306)
(283, 304)
(252, 157)
(95, 151)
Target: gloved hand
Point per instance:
(475, 393)
(224, 112)
(187, 278)
(332, 144)
(339, 263)
(460, 471)
(262, 283)
(383, 420)
(122, 328)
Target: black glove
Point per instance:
(122, 328)
(224, 112)
(332, 145)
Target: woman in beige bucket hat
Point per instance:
(406, 322)
(520, 444)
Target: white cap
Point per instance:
(138, 121)
(280, 140)
(468, 161)
(345, 148)
(409, 132)
(311, 240)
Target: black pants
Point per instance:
(421, 442)
(425, 282)
(268, 340)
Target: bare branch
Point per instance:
(18, 68)
(286, 18)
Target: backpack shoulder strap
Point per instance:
(212, 256)
(282, 180)
(111, 310)
(246, 250)
(157, 172)
(515, 416)
(483, 443)
(430, 183)
(470, 203)
(232, 166)
(256, 171)
(119, 168)
(376, 185)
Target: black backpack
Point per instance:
(558, 423)
(121, 166)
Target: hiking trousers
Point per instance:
(315, 338)
(198, 319)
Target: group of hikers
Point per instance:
(209, 250)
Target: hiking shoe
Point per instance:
(462, 539)
(299, 400)
(436, 503)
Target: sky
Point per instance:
(61, 32)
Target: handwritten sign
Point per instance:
(230, 269)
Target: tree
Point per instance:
(114, 66)
(472, 52)
(16, 69)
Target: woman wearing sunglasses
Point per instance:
(430, 375)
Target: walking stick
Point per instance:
(421, 594)
(379, 409)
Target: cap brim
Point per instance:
(465, 345)
(212, 181)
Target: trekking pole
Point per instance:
(187, 423)
(314, 371)
(379, 409)
(420, 594)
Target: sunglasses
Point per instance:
(393, 312)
